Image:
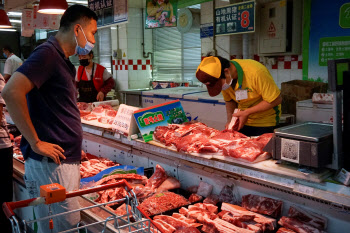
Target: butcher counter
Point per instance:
(266, 178)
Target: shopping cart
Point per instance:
(135, 220)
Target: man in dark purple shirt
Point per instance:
(41, 99)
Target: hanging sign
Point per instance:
(109, 11)
(160, 13)
(124, 122)
(44, 21)
(235, 19)
(206, 30)
(148, 119)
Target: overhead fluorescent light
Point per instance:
(15, 21)
(7, 30)
(52, 7)
(114, 28)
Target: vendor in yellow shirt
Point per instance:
(247, 85)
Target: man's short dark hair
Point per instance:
(74, 14)
(8, 48)
(224, 64)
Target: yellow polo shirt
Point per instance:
(260, 85)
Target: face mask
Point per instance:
(84, 62)
(4, 55)
(226, 85)
(88, 46)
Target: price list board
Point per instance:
(148, 119)
(235, 19)
(124, 122)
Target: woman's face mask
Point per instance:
(87, 48)
(84, 62)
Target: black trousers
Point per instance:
(251, 131)
(6, 169)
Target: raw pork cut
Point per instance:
(250, 225)
(89, 117)
(220, 226)
(234, 124)
(212, 199)
(84, 108)
(262, 205)
(267, 223)
(169, 184)
(307, 217)
(133, 178)
(161, 202)
(103, 120)
(164, 226)
(195, 198)
(298, 226)
(94, 166)
(158, 177)
(284, 230)
(264, 139)
(188, 230)
(99, 111)
(227, 194)
(245, 149)
(197, 138)
(111, 113)
(178, 224)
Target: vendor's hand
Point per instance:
(243, 117)
(100, 96)
(53, 151)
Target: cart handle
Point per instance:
(9, 207)
(147, 217)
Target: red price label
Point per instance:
(245, 19)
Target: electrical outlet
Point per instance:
(119, 54)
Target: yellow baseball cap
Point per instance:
(209, 73)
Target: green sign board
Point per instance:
(148, 119)
(344, 16)
(332, 48)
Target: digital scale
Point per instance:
(316, 144)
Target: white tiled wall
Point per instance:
(130, 40)
(229, 46)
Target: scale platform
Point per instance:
(309, 144)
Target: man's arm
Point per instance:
(14, 94)
(230, 108)
(108, 85)
(260, 107)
